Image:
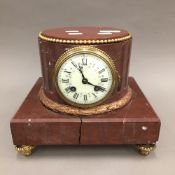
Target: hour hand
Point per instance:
(80, 69)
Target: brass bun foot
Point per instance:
(25, 150)
(145, 149)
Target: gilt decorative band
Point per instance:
(57, 107)
(100, 41)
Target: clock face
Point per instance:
(84, 78)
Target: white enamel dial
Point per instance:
(84, 79)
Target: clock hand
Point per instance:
(97, 88)
(90, 83)
(80, 70)
(85, 81)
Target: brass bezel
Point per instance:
(90, 50)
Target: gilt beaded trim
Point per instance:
(101, 41)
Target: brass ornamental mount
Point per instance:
(100, 41)
(145, 149)
(57, 107)
(25, 150)
(86, 50)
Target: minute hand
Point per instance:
(97, 88)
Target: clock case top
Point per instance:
(85, 33)
(54, 42)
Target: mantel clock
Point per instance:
(85, 96)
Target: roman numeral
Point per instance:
(104, 79)
(101, 71)
(67, 72)
(68, 89)
(85, 97)
(74, 64)
(84, 61)
(94, 95)
(102, 89)
(65, 81)
(75, 95)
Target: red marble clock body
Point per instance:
(50, 114)
(114, 42)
